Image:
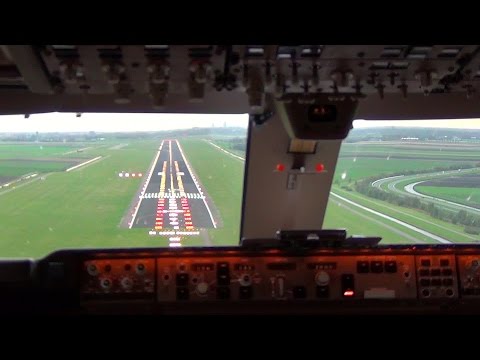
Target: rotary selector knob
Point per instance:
(245, 280)
(106, 283)
(322, 278)
(202, 288)
(127, 283)
(92, 270)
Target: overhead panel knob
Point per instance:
(322, 278)
(202, 288)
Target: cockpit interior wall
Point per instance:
(205, 215)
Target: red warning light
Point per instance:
(348, 293)
(319, 167)
(280, 167)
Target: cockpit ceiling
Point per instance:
(388, 81)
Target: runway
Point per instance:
(171, 201)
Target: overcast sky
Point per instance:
(105, 122)
(452, 124)
(68, 122)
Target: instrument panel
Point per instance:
(234, 279)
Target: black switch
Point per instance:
(435, 272)
(245, 292)
(424, 272)
(182, 279)
(223, 280)
(363, 267)
(299, 292)
(222, 268)
(322, 292)
(348, 285)
(425, 262)
(448, 282)
(376, 267)
(223, 274)
(223, 293)
(391, 266)
(447, 272)
(182, 293)
(444, 262)
(424, 282)
(436, 282)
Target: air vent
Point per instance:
(200, 51)
(255, 51)
(392, 52)
(380, 65)
(311, 51)
(419, 51)
(399, 65)
(65, 51)
(156, 47)
(384, 65)
(64, 47)
(449, 53)
(157, 51)
(285, 52)
(110, 53)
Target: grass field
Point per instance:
(225, 144)
(222, 175)
(18, 159)
(366, 163)
(467, 196)
(343, 215)
(79, 209)
(84, 208)
(362, 160)
(414, 217)
(365, 167)
(29, 150)
(19, 168)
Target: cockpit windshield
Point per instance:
(119, 180)
(409, 182)
(173, 180)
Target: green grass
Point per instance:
(227, 145)
(467, 196)
(29, 150)
(79, 209)
(19, 168)
(339, 216)
(414, 217)
(365, 167)
(83, 208)
(222, 176)
(396, 148)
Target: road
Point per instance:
(171, 201)
(408, 189)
